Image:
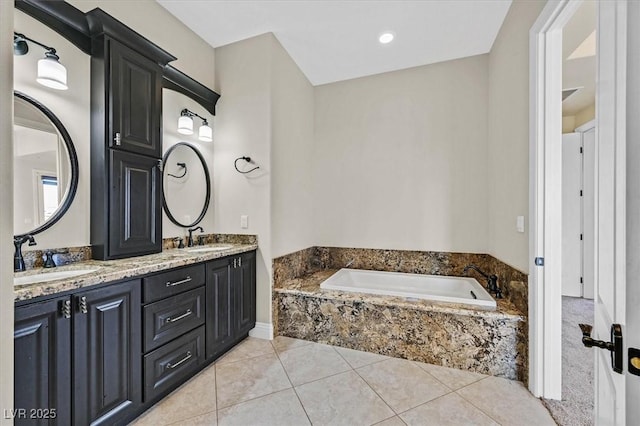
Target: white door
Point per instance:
(610, 202)
(571, 215)
(588, 203)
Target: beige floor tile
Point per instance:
(506, 401)
(401, 383)
(453, 378)
(448, 410)
(277, 409)
(357, 359)
(284, 343)
(208, 419)
(197, 396)
(344, 399)
(312, 362)
(242, 381)
(248, 348)
(393, 421)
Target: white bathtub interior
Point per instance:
(438, 288)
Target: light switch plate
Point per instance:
(520, 223)
(244, 221)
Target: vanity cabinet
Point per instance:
(174, 328)
(126, 140)
(79, 356)
(42, 380)
(231, 301)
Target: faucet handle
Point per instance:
(49, 262)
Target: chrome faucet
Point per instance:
(18, 260)
(190, 240)
(349, 263)
(492, 280)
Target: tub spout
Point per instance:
(492, 280)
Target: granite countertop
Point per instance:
(309, 285)
(112, 270)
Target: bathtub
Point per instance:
(411, 286)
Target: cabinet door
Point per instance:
(219, 308)
(136, 101)
(107, 354)
(42, 367)
(135, 216)
(245, 288)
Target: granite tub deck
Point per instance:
(491, 342)
(114, 270)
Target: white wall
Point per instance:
(508, 147)
(192, 195)
(72, 109)
(147, 17)
(292, 117)
(6, 214)
(243, 128)
(400, 159)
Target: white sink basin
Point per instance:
(207, 249)
(50, 276)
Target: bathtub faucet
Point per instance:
(349, 263)
(492, 280)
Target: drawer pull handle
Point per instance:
(83, 304)
(186, 314)
(183, 360)
(171, 284)
(66, 309)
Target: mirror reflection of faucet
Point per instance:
(180, 242)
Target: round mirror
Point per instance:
(45, 167)
(186, 187)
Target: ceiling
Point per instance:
(338, 40)
(579, 60)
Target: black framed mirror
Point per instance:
(45, 167)
(186, 185)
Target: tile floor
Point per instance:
(294, 382)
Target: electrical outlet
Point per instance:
(244, 221)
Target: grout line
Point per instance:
(292, 386)
(471, 402)
(374, 391)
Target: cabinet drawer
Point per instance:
(169, 318)
(172, 282)
(174, 362)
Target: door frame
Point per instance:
(545, 198)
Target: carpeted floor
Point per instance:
(576, 407)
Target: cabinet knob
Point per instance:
(83, 304)
(66, 309)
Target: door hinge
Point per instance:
(581, 192)
(539, 261)
(580, 237)
(117, 139)
(581, 280)
(580, 150)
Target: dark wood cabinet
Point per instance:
(135, 84)
(126, 140)
(42, 342)
(135, 214)
(107, 346)
(231, 301)
(77, 358)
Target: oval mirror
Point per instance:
(186, 187)
(45, 167)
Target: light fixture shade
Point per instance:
(185, 125)
(52, 73)
(205, 133)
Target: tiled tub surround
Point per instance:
(488, 342)
(113, 270)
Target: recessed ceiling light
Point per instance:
(386, 37)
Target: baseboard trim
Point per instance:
(262, 330)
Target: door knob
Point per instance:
(614, 346)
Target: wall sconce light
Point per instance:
(185, 125)
(51, 73)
